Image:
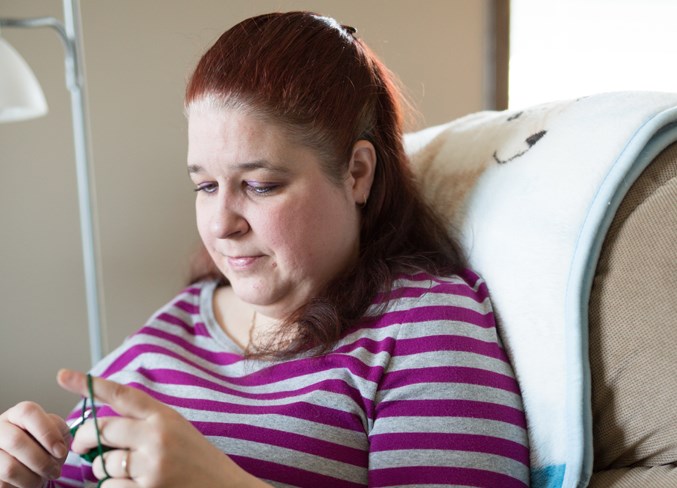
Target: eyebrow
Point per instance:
(248, 166)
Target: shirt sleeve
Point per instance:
(448, 409)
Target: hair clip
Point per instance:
(350, 29)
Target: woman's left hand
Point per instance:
(153, 445)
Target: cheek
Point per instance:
(285, 229)
(311, 231)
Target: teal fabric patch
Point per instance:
(548, 476)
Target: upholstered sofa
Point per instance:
(633, 336)
(569, 211)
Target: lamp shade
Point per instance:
(20, 94)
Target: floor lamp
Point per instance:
(21, 98)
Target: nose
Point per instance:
(228, 221)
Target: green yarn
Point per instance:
(99, 449)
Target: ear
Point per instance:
(361, 170)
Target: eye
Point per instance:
(258, 188)
(206, 187)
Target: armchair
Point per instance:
(569, 210)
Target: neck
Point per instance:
(240, 321)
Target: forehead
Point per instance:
(227, 139)
(212, 131)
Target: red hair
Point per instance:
(327, 89)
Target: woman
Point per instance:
(331, 335)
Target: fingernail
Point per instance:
(59, 449)
(66, 374)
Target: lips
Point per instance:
(242, 262)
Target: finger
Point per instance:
(31, 418)
(118, 464)
(127, 401)
(115, 432)
(65, 431)
(16, 474)
(118, 483)
(61, 425)
(24, 455)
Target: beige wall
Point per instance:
(138, 55)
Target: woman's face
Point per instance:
(270, 218)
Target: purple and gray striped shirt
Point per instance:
(419, 394)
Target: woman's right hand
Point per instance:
(33, 446)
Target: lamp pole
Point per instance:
(70, 33)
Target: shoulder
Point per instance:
(421, 290)
(179, 325)
(462, 282)
(185, 310)
(188, 313)
(187, 298)
(447, 322)
(440, 305)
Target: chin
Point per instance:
(251, 294)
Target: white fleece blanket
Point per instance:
(532, 193)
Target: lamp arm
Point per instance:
(69, 43)
(36, 22)
(69, 32)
